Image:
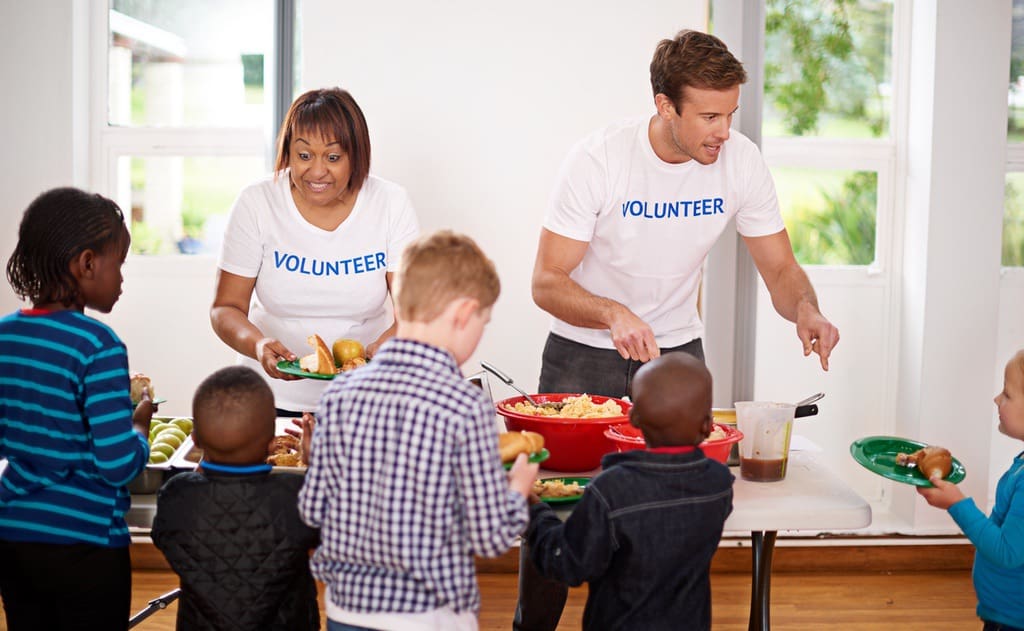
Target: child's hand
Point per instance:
(304, 433)
(143, 413)
(943, 495)
(523, 475)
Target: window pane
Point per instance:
(1016, 118)
(1013, 221)
(830, 215)
(828, 68)
(179, 205)
(178, 64)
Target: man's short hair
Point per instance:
(693, 59)
(441, 267)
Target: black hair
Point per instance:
(230, 388)
(58, 226)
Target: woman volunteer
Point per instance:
(312, 248)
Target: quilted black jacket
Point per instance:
(240, 549)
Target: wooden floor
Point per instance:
(930, 600)
(821, 601)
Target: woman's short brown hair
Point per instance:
(335, 115)
(696, 60)
(441, 267)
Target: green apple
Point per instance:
(157, 457)
(165, 448)
(184, 424)
(167, 438)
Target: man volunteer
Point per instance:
(637, 207)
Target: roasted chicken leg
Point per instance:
(928, 461)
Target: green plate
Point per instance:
(539, 456)
(292, 368)
(878, 455)
(583, 482)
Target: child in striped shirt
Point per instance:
(67, 429)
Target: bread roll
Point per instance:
(321, 361)
(511, 444)
(138, 382)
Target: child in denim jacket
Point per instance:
(645, 530)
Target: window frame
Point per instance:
(108, 143)
(884, 156)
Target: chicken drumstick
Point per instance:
(929, 460)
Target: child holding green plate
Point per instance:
(999, 538)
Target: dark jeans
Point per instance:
(57, 587)
(996, 626)
(569, 366)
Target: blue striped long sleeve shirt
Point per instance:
(65, 430)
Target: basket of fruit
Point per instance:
(166, 436)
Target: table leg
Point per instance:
(763, 545)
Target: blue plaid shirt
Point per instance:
(406, 485)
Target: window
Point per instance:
(1013, 208)
(188, 115)
(827, 131)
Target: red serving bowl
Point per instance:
(627, 437)
(576, 444)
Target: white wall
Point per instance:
(36, 112)
(472, 106)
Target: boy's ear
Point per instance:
(464, 310)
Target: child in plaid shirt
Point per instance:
(405, 481)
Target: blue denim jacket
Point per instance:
(643, 536)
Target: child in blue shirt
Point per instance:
(998, 538)
(67, 428)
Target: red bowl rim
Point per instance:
(732, 435)
(560, 396)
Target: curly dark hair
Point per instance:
(58, 226)
(693, 59)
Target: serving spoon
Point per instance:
(554, 405)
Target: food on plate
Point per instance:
(346, 350)
(581, 406)
(929, 461)
(717, 433)
(352, 364)
(321, 361)
(165, 436)
(285, 451)
(138, 382)
(511, 444)
(557, 488)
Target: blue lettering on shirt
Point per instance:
(339, 267)
(673, 210)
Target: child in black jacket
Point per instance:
(231, 529)
(646, 528)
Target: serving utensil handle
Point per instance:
(508, 381)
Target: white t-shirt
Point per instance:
(310, 280)
(650, 224)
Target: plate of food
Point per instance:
(560, 490)
(906, 461)
(511, 444)
(324, 362)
